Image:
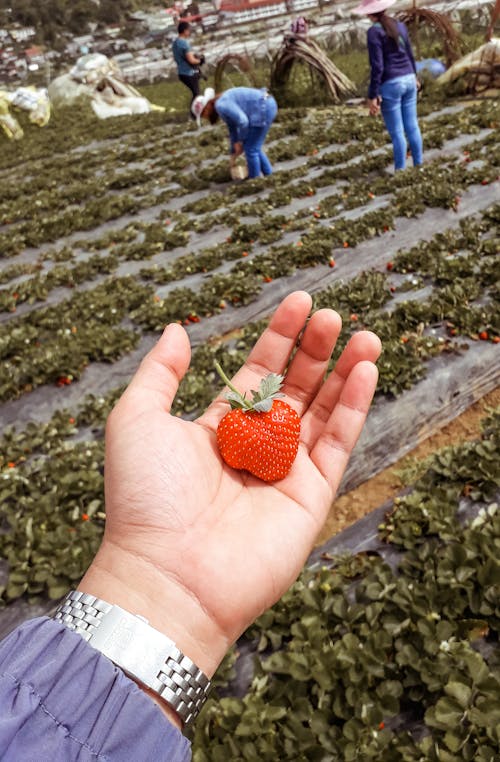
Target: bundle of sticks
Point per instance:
(305, 50)
(232, 62)
(413, 17)
(479, 71)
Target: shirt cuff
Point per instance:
(60, 693)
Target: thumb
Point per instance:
(157, 379)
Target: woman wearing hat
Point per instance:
(248, 113)
(393, 82)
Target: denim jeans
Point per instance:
(257, 161)
(399, 109)
(193, 82)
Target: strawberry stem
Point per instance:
(244, 402)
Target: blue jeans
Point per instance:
(257, 161)
(399, 109)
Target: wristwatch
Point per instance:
(142, 652)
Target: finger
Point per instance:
(310, 362)
(362, 346)
(157, 379)
(271, 352)
(340, 433)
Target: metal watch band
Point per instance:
(141, 651)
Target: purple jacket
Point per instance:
(63, 701)
(386, 60)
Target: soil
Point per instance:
(384, 486)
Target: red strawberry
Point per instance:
(260, 435)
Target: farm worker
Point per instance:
(299, 27)
(189, 546)
(187, 63)
(495, 13)
(248, 113)
(393, 83)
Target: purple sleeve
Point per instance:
(62, 700)
(376, 56)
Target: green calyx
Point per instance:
(261, 400)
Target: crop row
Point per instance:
(47, 225)
(438, 184)
(61, 530)
(389, 654)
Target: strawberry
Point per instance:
(261, 434)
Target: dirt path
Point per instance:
(384, 486)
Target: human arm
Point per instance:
(234, 117)
(374, 106)
(198, 549)
(376, 57)
(192, 544)
(495, 13)
(192, 59)
(62, 700)
(186, 52)
(237, 150)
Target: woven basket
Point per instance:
(239, 171)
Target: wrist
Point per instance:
(123, 579)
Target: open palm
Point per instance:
(202, 548)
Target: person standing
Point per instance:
(248, 113)
(187, 63)
(393, 82)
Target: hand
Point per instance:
(237, 149)
(196, 547)
(374, 106)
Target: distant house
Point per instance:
(23, 33)
(155, 22)
(112, 31)
(34, 55)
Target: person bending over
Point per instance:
(393, 83)
(248, 114)
(187, 63)
(193, 551)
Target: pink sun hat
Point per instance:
(367, 7)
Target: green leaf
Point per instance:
(459, 691)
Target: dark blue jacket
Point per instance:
(387, 60)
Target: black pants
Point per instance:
(192, 82)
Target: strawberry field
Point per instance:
(109, 230)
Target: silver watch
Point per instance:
(141, 651)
